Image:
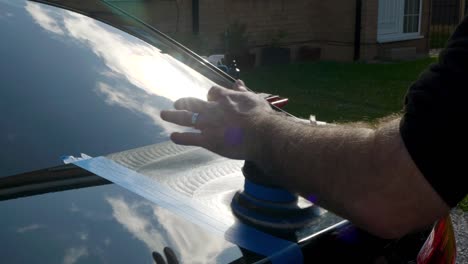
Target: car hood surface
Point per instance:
(72, 84)
(105, 224)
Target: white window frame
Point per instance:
(383, 37)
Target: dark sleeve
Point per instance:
(433, 126)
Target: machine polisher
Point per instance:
(270, 208)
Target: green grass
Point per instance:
(341, 92)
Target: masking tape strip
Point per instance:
(276, 249)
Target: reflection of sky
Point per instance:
(44, 18)
(128, 58)
(166, 231)
(105, 224)
(5, 14)
(72, 255)
(28, 228)
(121, 95)
(90, 88)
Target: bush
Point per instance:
(194, 42)
(235, 42)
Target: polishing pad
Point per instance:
(270, 208)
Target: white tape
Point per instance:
(276, 249)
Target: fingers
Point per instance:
(186, 107)
(178, 117)
(188, 139)
(216, 92)
(239, 86)
(240, 82)
(191, 104)
(185, 118)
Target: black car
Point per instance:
(85, 77)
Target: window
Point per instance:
(411, 16)
(399, 20)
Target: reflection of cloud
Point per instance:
(141, 64)
(4, 15)
(136, 224)
(127, 58)
(134, 102)
(43, 18)
(83, 235)
(169, 230)
(72, 255)
(29, 228)
(90, 215)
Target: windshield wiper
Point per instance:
(54, 179)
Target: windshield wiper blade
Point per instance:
(54, 179)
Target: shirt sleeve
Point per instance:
(433, 127)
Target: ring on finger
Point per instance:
(195, 118)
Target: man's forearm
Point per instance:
(364, 175)
(290, 150)
(361, 174)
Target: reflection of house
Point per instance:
(389, 28)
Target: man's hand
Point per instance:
(228, 121)
(364, 175)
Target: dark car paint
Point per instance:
(104, 224)
(66, 93)
(70, 85)
(62, 93)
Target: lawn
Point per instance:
(339, 92)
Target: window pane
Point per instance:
(411, 24)
(415, 24)
(407, 2)
(405, 24)
(412, 7)
(416, 7)
(411, 16)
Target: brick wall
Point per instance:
(410, 49)
(169, 16)
(328, 25)
(369, 29)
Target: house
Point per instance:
(341, 30)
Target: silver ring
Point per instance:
(194, 118)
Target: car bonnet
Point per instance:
(72, 84)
